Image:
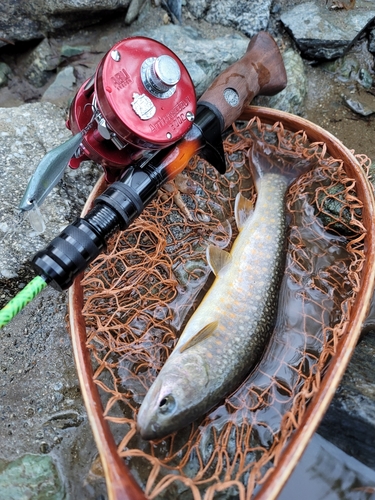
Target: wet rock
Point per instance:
(133, 10)
(326, 472)
(174, 9)
(43, 60)
(17, 24)
(203, 58)
(30, 476)
(5, 71)
(21, 21)
(358, 107)
(355, 67)
(61, 90)
(371, 42)
(365, 79)
(197, 7)
(334, 213)
(321, 33)
(26, 134)
(44, 448)
(292, 98)
(248, 17)
(350, 420)
(33, 422)
(345, 68)
(69, 51)
(66, 419)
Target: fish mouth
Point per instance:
(147, 425)
(149, 431)
(155, 412)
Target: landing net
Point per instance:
(140, 294)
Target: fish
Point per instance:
(226, 336)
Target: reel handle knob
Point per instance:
(260, 71)
(163, 74)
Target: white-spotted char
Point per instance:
(226, 336)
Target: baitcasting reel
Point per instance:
(141, 99)
(138, 118)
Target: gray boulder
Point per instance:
(321, 33)
(5, 71)
(42, 61)
(21, 21)
(371, 44)
(248, 17)
(31, 476)
(61, 90)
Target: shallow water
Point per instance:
(327, 473)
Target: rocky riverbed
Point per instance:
(45, 55)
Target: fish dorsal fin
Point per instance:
(243, 209)
(203, 334)
(217, 258)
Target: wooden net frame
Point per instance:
(128, 309)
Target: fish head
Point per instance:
(173, 401)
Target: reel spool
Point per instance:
(142, 100)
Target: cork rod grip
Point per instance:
(260, 71)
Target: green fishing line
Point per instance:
(22, 298)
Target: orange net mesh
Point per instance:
(139, 295)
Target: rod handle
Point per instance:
(260, 71)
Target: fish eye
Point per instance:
(167, 404)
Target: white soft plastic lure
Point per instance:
(36, 219)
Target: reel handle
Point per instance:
(260, 71)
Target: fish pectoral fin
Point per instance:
(217, 258)
(203, 334)
(243, 209)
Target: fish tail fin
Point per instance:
(284, 158)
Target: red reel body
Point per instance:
(142, 99)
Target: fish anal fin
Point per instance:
(203, 334)
(243, 209)
(217, 258)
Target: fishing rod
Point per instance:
(139, 119)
